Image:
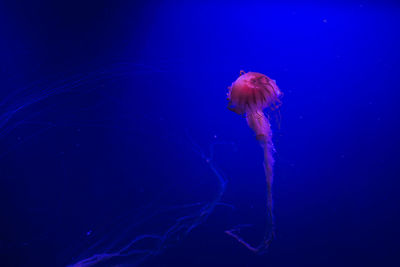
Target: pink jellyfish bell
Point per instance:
(250, 95)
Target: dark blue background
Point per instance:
(99, 101)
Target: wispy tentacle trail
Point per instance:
(194, 215)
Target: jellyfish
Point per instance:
(249, 96)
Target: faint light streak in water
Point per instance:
(21, 99)
(133, 250)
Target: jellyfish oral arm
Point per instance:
(260, 125)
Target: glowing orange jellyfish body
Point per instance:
(250, 95)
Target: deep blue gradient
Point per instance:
(108, 111)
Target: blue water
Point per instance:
(116, 146)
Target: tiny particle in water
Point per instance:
(88, 233)
(324, 20)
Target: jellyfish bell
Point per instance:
(253, 91)
(250, 94)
